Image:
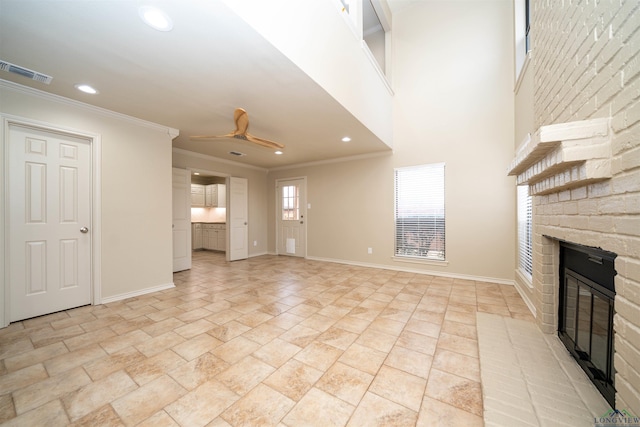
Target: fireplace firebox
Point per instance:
(586, 308)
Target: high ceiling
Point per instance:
(191, 78)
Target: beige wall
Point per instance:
(136, 250)
(351, 209)
(257, 190)
(453, 103)
(524, 118)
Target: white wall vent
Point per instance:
(25, 72)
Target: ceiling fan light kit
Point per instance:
(241, 119)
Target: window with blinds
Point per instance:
(525, 243)
(419, 212)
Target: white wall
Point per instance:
(325, 48)
(136, 250)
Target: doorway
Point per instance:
(51, 232)
(291, 215)
(219, 214)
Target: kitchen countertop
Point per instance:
(201, 222)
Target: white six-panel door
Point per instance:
(49, 195)
(238, 226)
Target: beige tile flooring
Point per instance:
(265, 341)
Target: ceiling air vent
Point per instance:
(25, 72)
(237, 153)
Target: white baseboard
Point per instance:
(418, 271)
(524, 294)
(133, 294)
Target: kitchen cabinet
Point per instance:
(197, 195)
(215, 196)
(196, 236)
(222, 239)
(214, 237)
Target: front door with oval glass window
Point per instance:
(291, 217)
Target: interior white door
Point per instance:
(291, 217)
(238, 224)
(181, 219)
(49, 255)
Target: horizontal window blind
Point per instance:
(525, 243)
(419, 212)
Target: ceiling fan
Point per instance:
(241, 119)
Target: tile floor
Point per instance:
(266, 341)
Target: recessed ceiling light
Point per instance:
(346, 139)
(86, 89)
(155, 18)
(278, 152)
(196, 173)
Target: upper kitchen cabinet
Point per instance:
(215, 196)
(197, 195)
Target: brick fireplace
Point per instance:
(570, 171)
(578, 101)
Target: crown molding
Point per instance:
(336, 160)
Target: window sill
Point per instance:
(424, 261)
(524, 278)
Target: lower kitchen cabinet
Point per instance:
(212, 237)
(196, 236)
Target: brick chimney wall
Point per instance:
(586, 62)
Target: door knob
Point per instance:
(84, 230)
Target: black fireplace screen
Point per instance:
(586, 309)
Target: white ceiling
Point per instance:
(191, 78)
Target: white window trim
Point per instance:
(521, 55)
(523, 71)
(423, 261)
(526, 275)
(376, 66)
(411, 257)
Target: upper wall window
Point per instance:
(372, 25)
(527, 25)
(419, 212)
(373, 33)
(522, 20)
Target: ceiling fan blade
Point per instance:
(263, 142)
(241, 118)
(229, 135)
